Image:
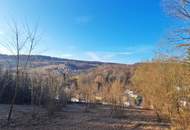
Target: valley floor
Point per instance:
(74, 117)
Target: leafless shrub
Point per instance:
(165, 87)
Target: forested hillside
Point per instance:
(47, 63)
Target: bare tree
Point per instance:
(22, 40)
(179, 9)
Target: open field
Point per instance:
(74, 117)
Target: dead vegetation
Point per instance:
(73, 117)
(165, 87)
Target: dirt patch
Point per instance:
(74, 117)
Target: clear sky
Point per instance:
(123, 31)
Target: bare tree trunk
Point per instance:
(17, 76)
(41, 92)
(159, 119)
(32, 99)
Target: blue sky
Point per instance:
(123, 31)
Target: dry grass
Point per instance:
(73, 117)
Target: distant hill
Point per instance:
(108, 73)
(46, 63)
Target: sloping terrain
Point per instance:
(108, 74)
(44, 64)
(47, 63)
